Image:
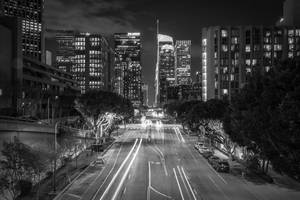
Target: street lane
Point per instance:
(164, 166)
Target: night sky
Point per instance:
(182, 19)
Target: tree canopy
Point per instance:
(264, 117)
(102, 108)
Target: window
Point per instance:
(224, 33)
(248, 48)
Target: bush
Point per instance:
(252, 163)
(24, 186)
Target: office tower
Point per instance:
(183, 61)
(65, 52)
(165, 68)
(127, 67)
(198, 77)
(230, 55)
(30, 12)
(291, 14)
(145, 91)
(86, 56)
(27, 85)
(48, 57)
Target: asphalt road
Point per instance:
(160, 163)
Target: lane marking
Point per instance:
(212, 180)
(164, 195)
(127, 170)
(181, 176)
(182, 139)
(149, 181)
(177, 135)
(185, 176)
(178, 184)
(119, 170)
(73, 195)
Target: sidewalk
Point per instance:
(69, 172)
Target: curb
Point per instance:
(80, 173)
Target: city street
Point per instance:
(161, 163)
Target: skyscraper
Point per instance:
(127, 67)
(31, 14)
(183, 61)
(230, 55)
(165, 68)
(145, 91)
(86, 56)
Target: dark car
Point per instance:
(207, 155)
(213, 159)
(222, 166)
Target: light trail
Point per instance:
(126, 172)
(119, 170)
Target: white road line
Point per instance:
(178, 184)
(177, 135)
(180, 135)
(120, 168)
(127, 170)
(149, 181)
(73, 195)
(181, 176)
(105, 177)
(164, 195)
(212, 180)
(185, 176)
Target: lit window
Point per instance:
(248, 48)
(224, 33)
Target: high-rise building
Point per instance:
(86, 56)
(65, 52)
(165, 68)
(28, 86)
(145, 91)
(127, 67)
(291, 14)
(230, 55)
(31, 13)
(183, 62)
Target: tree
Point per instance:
(264, 118)
(101, 109)
(20, 164)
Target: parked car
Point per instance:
(98, 162)
(204, 150)
(213, 159)
(207, 154)
(222, 166)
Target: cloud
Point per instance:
(95, 16)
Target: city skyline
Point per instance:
(140, 16)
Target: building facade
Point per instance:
(183, 61)
(145, 91)
(127, 67)
(165, 68)
(230, 55)
(184, 93)
(30, 12)
(86, 56)
(28, 86)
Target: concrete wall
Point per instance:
(19, 126)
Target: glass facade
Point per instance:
(183, 61)
(30, 12)
(127, 67)
(230, 55)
